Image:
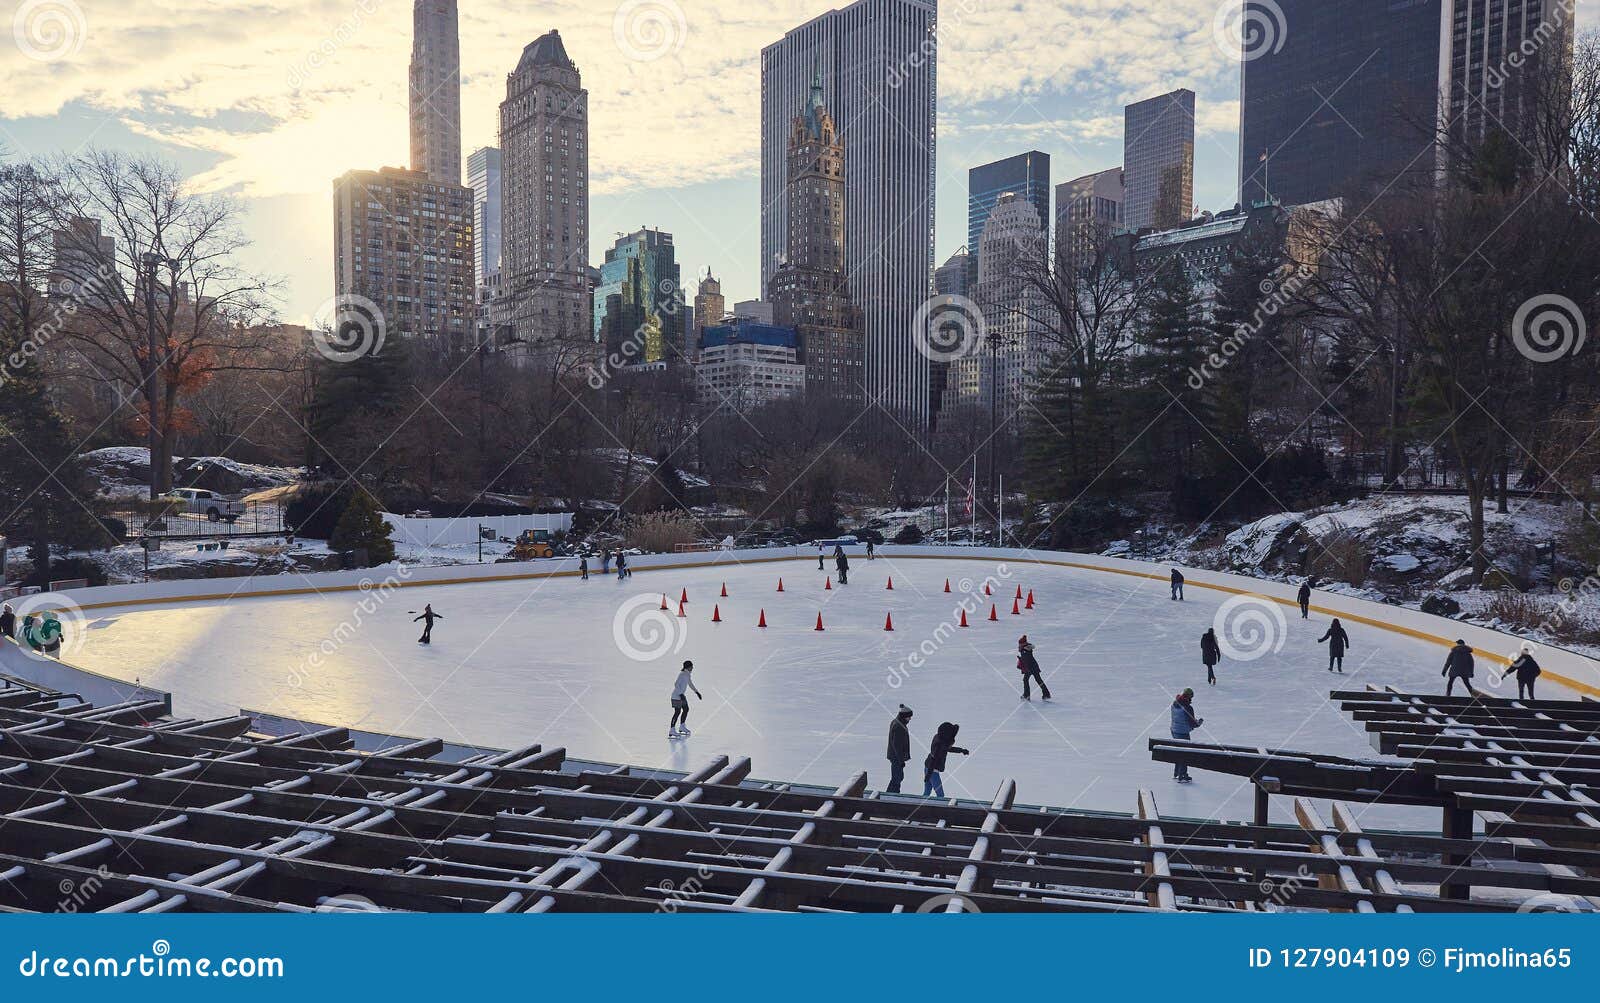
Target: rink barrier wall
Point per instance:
(102, 691)
(1568, 668)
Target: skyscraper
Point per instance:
(404, 241)
(1158, 161)
(1494, 50)
(1347, 96)
(1088, 211)
(544, 239)
(436, 90)
(1026, 175)
(877, 63)
(640, 300)
(810, 290)
(709, 307)
(483, 177)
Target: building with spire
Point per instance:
(810, 290)
(544, 187)
(709, 306)
(436, 91)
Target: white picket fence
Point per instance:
(455, 532)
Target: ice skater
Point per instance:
(583, 567)
(1210, 653)
(899, 748)
(820, 566)
(605, 562)
(1183, 725)
(1458, 664)
(1338, 641)
(944, 743)
(1028, 665)
(1526, 670)
(427, 616)
(869, 551)
(1177, 585)
(680, 702)
(622, 567)
(8, 622)
(1304, 598)
(842, 564)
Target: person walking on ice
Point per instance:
(1338, 641)
(679, 728)
(1210, 653)
(605, 562)
(583, 567)
(869, 549)
(1177, 585)
(842, 564)
(1526, 670)
(1184, 723)
(1028, 665)
(1304, 598)
(622, 566)
(899, 748)
(427, 616)
(944, 743)
(1458, 665)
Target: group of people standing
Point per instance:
(623, 571)
(933, 764)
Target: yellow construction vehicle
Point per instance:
(532, 544)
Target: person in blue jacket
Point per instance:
(1177, 585)
(1184, 723)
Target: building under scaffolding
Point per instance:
(126, 809)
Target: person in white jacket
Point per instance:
(680, 701)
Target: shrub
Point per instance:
(659, 532)
(1342, 555)
(67, 567)
(315, 509)
(361, 529)
(909, 534)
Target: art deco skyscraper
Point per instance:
(436, 91)
(877, 60)
(544, 237)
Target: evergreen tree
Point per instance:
(361, 528)
(1169, 374)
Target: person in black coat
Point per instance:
(944, 743)
(1210, 653)
(899, 748)
(1028, 665)
(583, 567)
(1305, 599)
(1338, 641)
(427, 616)
(1526, 670)
(1177, 585)
(8, 622)
(842, 563)
(622, 566)
(1459, 664)
(605, 562)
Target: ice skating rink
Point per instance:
(590, 665)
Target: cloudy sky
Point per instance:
(269, 100)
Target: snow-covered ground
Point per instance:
(589, 665)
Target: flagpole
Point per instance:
(1000, 527)
(972, 498)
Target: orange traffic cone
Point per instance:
(1029, 604)
(819, 622)
(1019, 591)
(828, 584)
(716, 613)
(780, 585)
(890, 586)
(663, 600)
(684, 597)
(680, 610)
(993, 613)
(986, 589)
(947, 585)
(888, 621)
(763, 621)
(724, 590)
(963, 622)
(1016, 607)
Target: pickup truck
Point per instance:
(199, 501)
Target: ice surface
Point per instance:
(541, 660)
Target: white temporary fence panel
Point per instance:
(455, 532)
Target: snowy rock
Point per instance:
(1399, 563)
(1439, 605)
(1118, 548)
